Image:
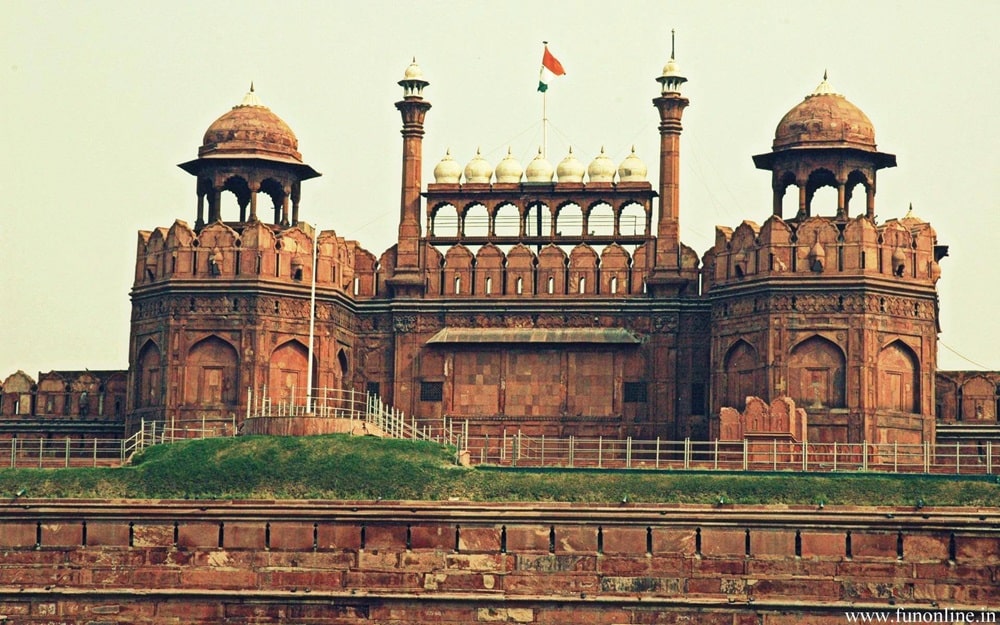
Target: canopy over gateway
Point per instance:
(619, 336)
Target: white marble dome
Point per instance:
(632, 169)
(602, 168)
(478, 171)
(509, 170)
(570, 169)
(448, 171)
(539, 169)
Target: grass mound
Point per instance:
(345, 467)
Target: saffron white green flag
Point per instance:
(551, 67)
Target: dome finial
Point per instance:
(824, 73)
(250, 99)
(671, 79)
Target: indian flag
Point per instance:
(551, 67)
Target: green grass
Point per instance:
(343, 467)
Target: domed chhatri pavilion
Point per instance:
(554, 300)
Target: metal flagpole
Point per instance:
(545, 119)
(312, 323)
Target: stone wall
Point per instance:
(406, 562)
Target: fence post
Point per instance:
(746, 454)
(121, 459)
(835, 456)
(600, 450)
(517, 450)
(774, 454)
(41, 451)
(503, 447)
(13, 453)
(989, 457)
(657, 452)
(628, 452)
(958, 457)
(249, 402)
(95, 452)
(805, 455)
(864, 455)
(687, 453)
(895, 456)
(67, 452)
(716, 462)
(543, 451)
(571, 450)
(485, 456)
(927, 456)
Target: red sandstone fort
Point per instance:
(555, 300)
(551, 300)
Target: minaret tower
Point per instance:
(408, 278)
(665, 278)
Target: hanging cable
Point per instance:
(946, 346)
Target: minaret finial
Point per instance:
(672, 43)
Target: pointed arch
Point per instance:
(898, 371)
(742, 374)
(148, 376)
(211, 373)
(287, 372)
(816, 374)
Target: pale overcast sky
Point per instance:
(100, 100)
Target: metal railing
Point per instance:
(353, 405)
(519, 450)
(56, 453)
(516, 449)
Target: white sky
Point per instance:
(100, 100)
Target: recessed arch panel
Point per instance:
(816, 374)
(898, 371)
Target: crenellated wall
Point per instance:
(409, 562)
(905, 250)
(254, 252)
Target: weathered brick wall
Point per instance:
(347, 563)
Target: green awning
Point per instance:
(619, 336)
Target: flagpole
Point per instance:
(545, 120)
(545, 127)
(312, 323)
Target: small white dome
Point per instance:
(602, 168)
(478, 171)
(413, 72)
(509, 169)
(539, 169)
(570, 169)
(632, 169)
(448, 171)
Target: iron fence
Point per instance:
(519, 450)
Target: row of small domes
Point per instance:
(509, 170)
